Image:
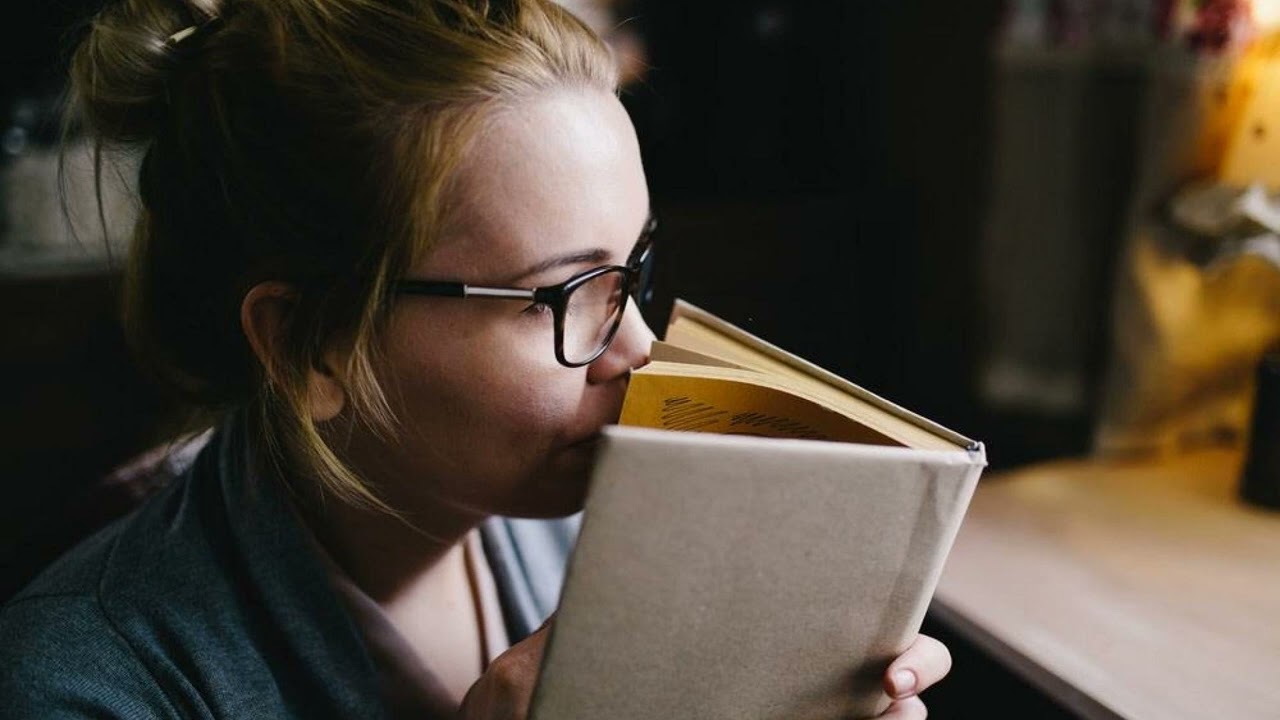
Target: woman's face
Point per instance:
(491, 422)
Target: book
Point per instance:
(761, 538)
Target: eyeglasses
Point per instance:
(588, 308)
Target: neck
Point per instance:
(385, 555)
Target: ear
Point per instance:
(264, 313)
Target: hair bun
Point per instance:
(120, 71)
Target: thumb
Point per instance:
(505, 690)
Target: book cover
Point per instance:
(752, 573)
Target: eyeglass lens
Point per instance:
(592, 313)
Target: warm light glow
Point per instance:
(1266, 13)
(1253, 152)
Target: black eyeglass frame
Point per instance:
(635, 283)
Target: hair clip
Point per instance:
(187, 33)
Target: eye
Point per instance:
(537, 308)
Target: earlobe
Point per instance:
(264, 313)
(325, 394)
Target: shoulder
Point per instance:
(70, 641)
(160, 480)
(140, 555)
(63, 659)
(207, 597)
(61, 646)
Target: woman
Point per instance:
(320, 180)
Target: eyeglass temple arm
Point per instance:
(460, 290)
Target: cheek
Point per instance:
(486, 420)
(522, 403)
(493, 383)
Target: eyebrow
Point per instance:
(594, 256)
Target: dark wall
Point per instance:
(35, 35)
(74, 407)
(818, 168)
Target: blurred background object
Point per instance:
(612, 20)
(75, 403)
(1197, 299)
(1260, 483)
(1101, 319)
(39, 233)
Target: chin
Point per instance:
(560, 488)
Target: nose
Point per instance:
(630, 349)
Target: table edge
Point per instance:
(1041, 678)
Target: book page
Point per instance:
(728, 406)
(666, 352)
(688, 332)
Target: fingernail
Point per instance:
(904, 683)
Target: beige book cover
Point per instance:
(760, 539)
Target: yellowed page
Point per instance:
(666, 352)
(688, 333)
(735, 406)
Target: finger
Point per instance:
(924, 663)
(506, 687)
(526, 655)
(911, 708)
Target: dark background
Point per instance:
(819, 172)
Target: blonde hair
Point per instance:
(305, 141)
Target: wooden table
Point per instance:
(1134, 590)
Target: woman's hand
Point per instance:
(504, 691)
(924, 663)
